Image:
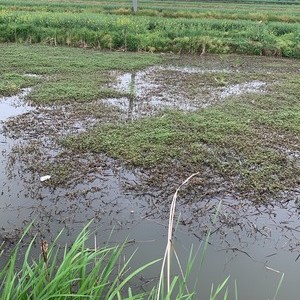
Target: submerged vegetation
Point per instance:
(246, 144)
(195, 27)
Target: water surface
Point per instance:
(254, 244)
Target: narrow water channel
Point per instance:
(255, 246)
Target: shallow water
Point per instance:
(251, 243)
(239, 89)
(151, 92)
(14, 105)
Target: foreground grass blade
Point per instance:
(278, 287)
(79, 274)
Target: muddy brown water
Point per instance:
(254, 244)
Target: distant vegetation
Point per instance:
(262, 28)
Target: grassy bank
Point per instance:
(246, 29)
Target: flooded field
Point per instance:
(158, 88)
(254, 243)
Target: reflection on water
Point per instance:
(238, 89)
(14, 105)
(252, 243)
(157, 88)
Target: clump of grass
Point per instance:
(79, 273)
(11, 82)
(68, 75)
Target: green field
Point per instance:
(260, 28)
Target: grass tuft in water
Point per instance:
(80, 273)
(249, 142)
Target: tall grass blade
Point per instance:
(168, 252)
(278, 286)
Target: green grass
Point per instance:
(245, 142)
(79, 272)
(74, 272)
(275, 10)
(188, 28)
(11, 83)
(68, 75)
(242, 141)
